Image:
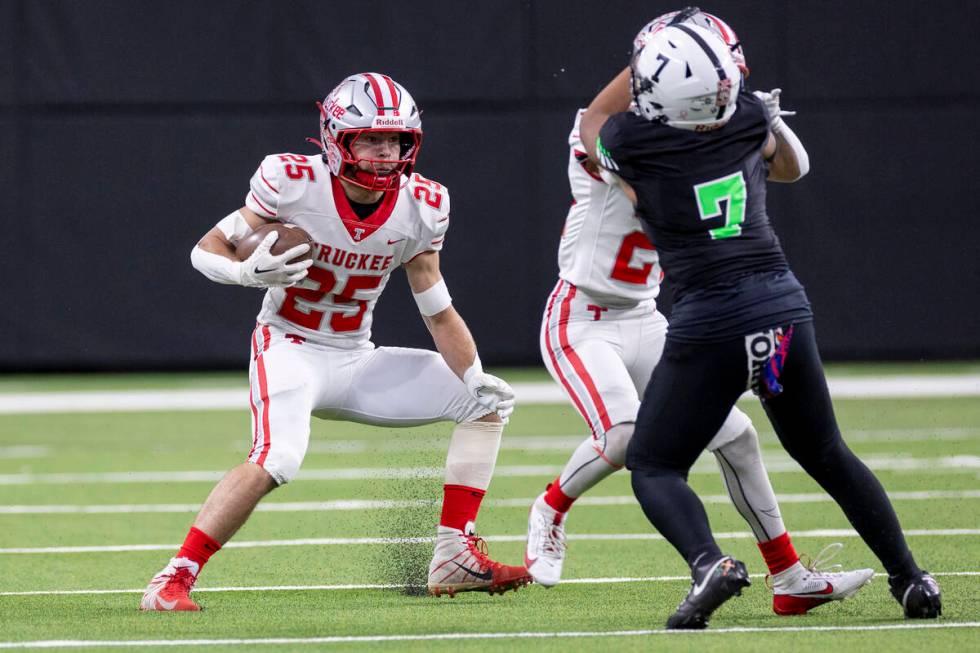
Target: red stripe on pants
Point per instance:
(577, 363)
(264, 396)
(554, 359)
(251, 401)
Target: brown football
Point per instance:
(289, 236)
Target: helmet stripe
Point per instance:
(722, 27)
(711, 56)
(707, 49)
(394, 92)
(376, 89)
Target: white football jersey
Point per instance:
(353, 257)
(603, 249)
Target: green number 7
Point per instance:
(710, 195)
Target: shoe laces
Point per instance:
(554, 542)
(182, 579)
(478, 549)
(819, 564)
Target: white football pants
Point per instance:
(292, 379)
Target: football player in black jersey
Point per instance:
(694, 154)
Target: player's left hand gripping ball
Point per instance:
(491, 392)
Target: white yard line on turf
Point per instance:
(376, 586)
(352, 639)
(388, 504)
(411, 443)
(24, 451)
(347, 541)
(966, 385)
(775, 463)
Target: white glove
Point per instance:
(489, 391)
(264, 270)
(771, 100)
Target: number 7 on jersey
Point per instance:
(710, 194)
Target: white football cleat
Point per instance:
(170, 588)
(545, 550)
(461, 564)
(799, 589)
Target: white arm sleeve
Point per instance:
(215, 267)
(782, 130)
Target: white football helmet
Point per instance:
(369, 102)
(694, 16)
(685, 77)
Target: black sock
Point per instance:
(675, 510)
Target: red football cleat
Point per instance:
(799, 589)
(169, 589)
(461, 564)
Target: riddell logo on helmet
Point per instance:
(387, 122)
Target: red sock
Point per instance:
(779, 553)
(557, 499)
(198, 546)
(460, 505)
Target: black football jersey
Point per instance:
(702, 199)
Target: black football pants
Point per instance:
(689, 395)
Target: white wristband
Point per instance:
(234, 227)
(216, 267)
(433, 300)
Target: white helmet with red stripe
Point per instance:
(362, 103)
(694, 16)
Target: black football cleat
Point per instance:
(920, 596)
(713, 584)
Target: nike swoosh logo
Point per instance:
(392, 242)
(167, 605)
(827, 590)
(258, 271)
(487, 575)
(699, 587)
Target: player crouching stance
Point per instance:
(368, 213)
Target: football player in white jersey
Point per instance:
(368, 213)
(601, 337)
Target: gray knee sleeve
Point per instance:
(615, 443)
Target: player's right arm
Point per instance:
(214, 255)
(614, 98)
(787, 158)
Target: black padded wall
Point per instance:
(129, 128)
